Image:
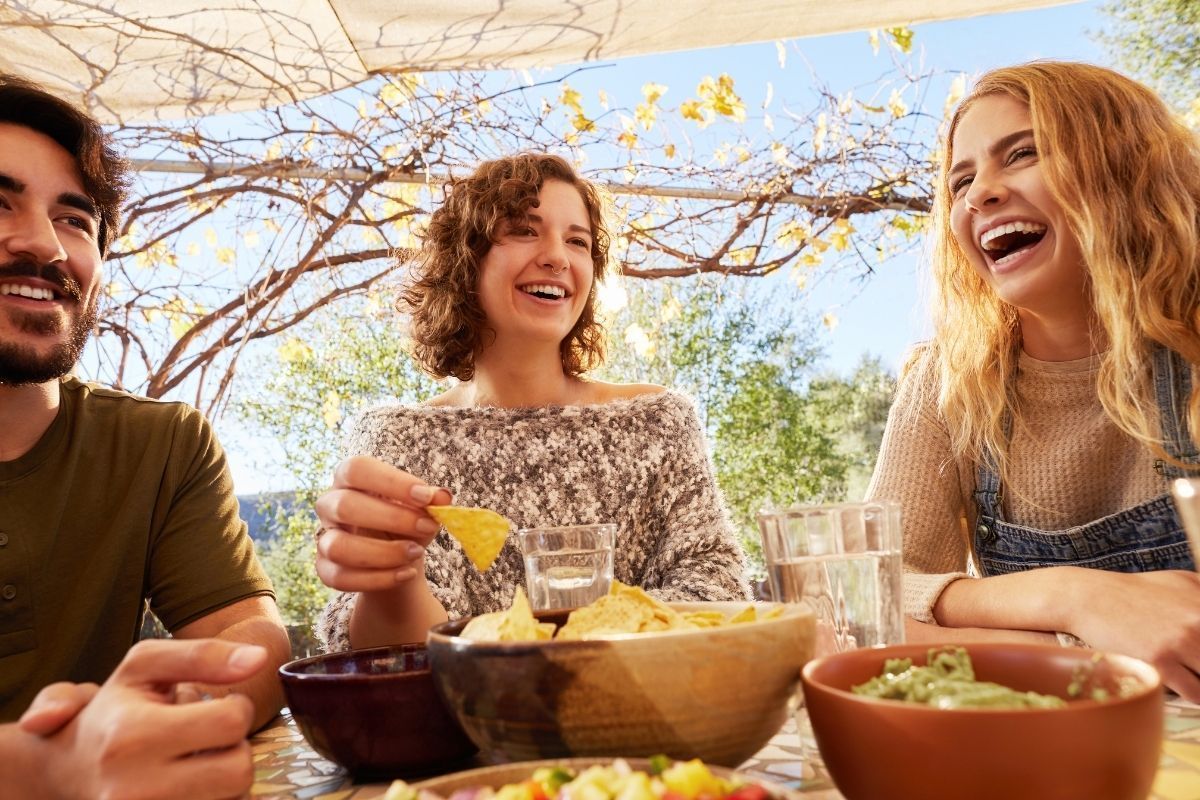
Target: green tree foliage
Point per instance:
(1158, 41)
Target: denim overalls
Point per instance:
(1143, 538)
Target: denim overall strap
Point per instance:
(1145, 537)
(1172, 390)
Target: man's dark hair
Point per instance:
(104, 173)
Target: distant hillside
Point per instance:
(259, 512)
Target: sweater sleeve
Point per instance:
(698, 556)
(916, 468)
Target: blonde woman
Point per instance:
(1035, 436)
(503, 300)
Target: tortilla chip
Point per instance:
(481, 531)
(747, 614)
(704, 619)
(517, 624)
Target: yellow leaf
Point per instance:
(645, 114)
(840, 237)
(743, 155)
(193, 249)
(271, 225)
(846, 103)
(830, 320)
(274, 151)
(571, 99)
(628, 139)
(226, 255)
(793, 234)
(294, 350)
(582, 124)
(873, 38)
(670, 310)
(653, 91)
(669, 150)
(363, 111)
(331, 409)
(603, 95)
(902, 38)
(210, 237)
(691, 109)
(720, 96)
(720, 155)
(897, 105)
(485, 107)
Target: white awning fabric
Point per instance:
(145, 59)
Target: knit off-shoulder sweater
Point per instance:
(640, 463)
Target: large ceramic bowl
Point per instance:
(374, 711)
(1100, 750)
(717, 693)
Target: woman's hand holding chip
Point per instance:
(374, 533)
(374, 526)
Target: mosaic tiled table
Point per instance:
(286, 767)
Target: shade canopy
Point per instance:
(143, 59)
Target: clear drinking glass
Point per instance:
(1187, 502)
(568, 566)
(843, 561)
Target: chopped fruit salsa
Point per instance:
(665, 780)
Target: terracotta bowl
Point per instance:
(1100, 750)
(375, 711)
(718, 694)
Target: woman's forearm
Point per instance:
(1045, 599)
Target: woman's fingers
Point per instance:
(354, 510)
(364, 552)
(353, 579)
(367, 474)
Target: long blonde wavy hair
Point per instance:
(1127, 175)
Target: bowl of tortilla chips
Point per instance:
(627, 675)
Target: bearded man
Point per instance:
(108, 502)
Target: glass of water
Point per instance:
(842, 561)
(568, 566)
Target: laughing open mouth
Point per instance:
(29, 292)
(545, 291)
(1004, 242)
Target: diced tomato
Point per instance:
(673, 796)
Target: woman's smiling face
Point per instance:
(535, 280)
(1004, 216)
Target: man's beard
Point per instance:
(22, 364)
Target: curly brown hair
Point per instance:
(104, 173)
(448, 326)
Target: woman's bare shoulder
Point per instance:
(605, 392)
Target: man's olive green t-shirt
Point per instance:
(122, 500)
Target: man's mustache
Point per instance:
(63, 282)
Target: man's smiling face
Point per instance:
(49, 258)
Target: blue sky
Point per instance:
(881, 316)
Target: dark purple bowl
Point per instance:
(374, 711)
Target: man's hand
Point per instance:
(132, 739)
(55, 706)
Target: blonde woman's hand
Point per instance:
(374, 526)
(1154, 616)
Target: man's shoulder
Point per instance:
(97, 398)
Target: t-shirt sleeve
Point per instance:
(202, 558)
(698, 556)
(916, 468)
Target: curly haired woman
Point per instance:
(1035, 436)
(503, 301)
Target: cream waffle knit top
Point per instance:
(1069, 465)
(641, 463)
